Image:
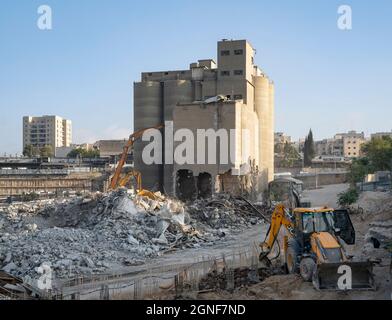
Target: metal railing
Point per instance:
(157, 281)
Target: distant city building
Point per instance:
(110, 148)
(381, 134)
(329, 147)
(62, 152)
(281, 138)
(346, 145)
(352, 142)
(52, 131)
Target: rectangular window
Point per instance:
(238, 72)
(238, 52)
(225, 73)
(225, 52)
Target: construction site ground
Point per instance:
(374, 218)
(285, 286)
(292, 287)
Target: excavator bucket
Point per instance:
(337, 276)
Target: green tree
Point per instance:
(348, 197)
(28, 151)
(359, 168)
(82, 153)
(75, 153)
(46, 151)
(379, 153)
(31, 151)
(290, 155)
(91, 153)
(309, 149)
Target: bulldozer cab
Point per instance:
(344, 225)
(337, 222)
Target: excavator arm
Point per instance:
(114, 183)
(278, 219)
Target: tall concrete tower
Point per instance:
(180, 96)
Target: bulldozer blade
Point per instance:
(327, 276)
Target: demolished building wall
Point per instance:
(179, 95)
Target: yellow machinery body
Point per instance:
(314, 246)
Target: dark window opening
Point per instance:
(185, 185)
(225, 53)
(238, 52)
(204, 185)
(225, 73)
(238, 72)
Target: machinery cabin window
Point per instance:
(317, 222)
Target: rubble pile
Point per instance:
(223, 211)
(375, 219)
(101, 232)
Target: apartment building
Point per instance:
(232, 93)
(352, 142)
(44, 131)
(346, 145)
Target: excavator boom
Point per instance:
(114, 183)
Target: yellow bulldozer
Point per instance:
(313, 246)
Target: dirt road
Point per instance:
(325, 196)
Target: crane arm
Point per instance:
(128, 146)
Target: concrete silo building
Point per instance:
(232, 94)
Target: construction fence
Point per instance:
(204, 274)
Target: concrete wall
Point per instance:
(310, 181)
(19, 185)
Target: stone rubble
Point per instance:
(100, 233)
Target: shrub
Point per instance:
(348, 197)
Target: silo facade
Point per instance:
(263, 106)
(174, 92)
(148, 111)
(271, 120)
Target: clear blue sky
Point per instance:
(83, 69)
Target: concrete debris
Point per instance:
(223, 212)
(100, 233)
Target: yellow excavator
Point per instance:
(121, 179)
(313, 247)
